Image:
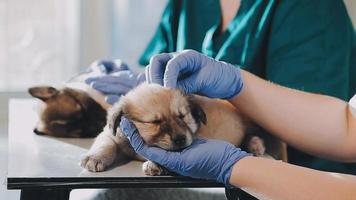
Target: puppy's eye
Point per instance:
(181, 116)
(156, 121)
(59, 122)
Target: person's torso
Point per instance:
(287, 42)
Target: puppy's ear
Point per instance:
(114, 116)
(196, 110)
(43, 92)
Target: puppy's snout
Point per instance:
(180, 140)
(38, 132)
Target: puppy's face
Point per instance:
(67, 113)
(164, 117)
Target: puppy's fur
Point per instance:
(76, 110)
(170, 119)
(68, 112)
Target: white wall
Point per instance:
(38, 42)
(135, 23)
(117, 28)
(94, 30)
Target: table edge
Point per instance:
(108, 182)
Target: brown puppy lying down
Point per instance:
(76, 110)
(69, 112)
(170, 119)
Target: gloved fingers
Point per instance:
(157, 67)
(130, 131)
(188, 61)
(147, 73)
(141, 77)
(111, 99)
(111, 88)
(156, 154)
(163, 157)
(189, 85)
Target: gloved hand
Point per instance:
(204, 159)
(115, 80)
(194, 72)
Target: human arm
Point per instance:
(222, 162)
(301, 54)
(310, 122)
(278, 180)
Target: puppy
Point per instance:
(76, 110)
(171, 120)
(73, 111)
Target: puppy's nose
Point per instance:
(179, 140)
(38, 132)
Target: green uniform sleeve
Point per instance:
(164, 39)
(310, 47)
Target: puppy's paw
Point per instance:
(94, 163)
(152, 169)
(257, 146)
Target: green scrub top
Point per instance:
(304, 44)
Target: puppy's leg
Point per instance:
(283, 152)
(256, 146)
(102, 153)
(153, 169)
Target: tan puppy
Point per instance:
(170, 119)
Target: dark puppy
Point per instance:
(68, 112)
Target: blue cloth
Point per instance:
(114, 79)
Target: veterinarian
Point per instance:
(320, 125)
(302, 44)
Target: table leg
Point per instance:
(44, 194)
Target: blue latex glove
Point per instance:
(114, 81)
(194, 72)
(204, 159)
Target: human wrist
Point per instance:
(236, 81)
(237, 174)
(233, 158)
